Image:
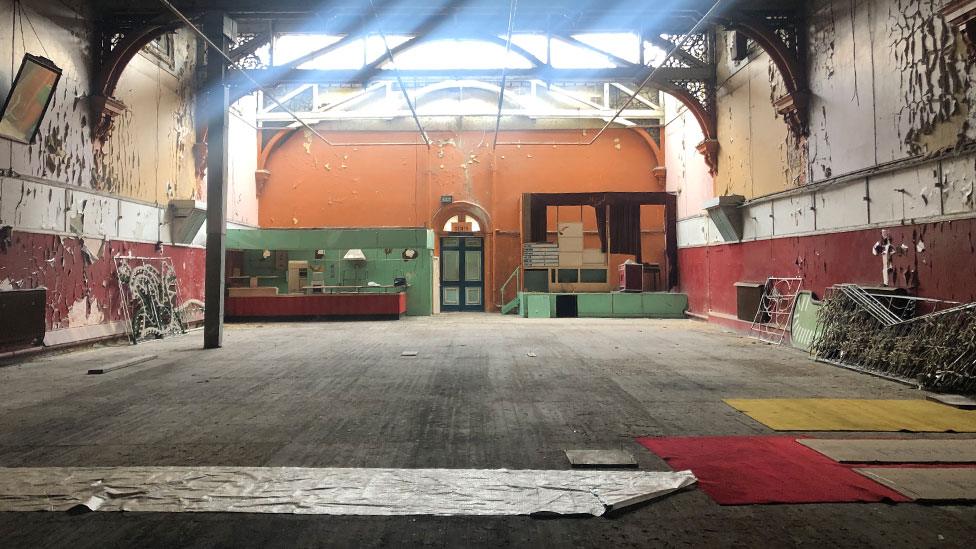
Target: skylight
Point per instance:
(458, 54)
(625, 45)
(448, 54)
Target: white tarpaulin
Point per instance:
(331, 491)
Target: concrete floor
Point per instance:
(340, 395)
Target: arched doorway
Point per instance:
(462, 245)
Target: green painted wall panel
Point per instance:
(610, 305)
(539, 306)
(594, 305)
(383, 249)
(627, 305)
(325, 239)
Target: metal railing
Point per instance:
(501, 291)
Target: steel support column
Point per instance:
(216, 110)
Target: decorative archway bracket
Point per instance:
(779, 34)
(781, 37)
(104, 111)
(698, 95)
(119, 47)
(709, 150)
(793, 108)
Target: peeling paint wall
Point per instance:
(757, 154)
(908, 76)
(890, 146)
(242, 200)
(942, 269)
(82, 289)
(72, 204)
(889, 81)
(687, 175)
(149, 154)
(63, 149)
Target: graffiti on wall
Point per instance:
(151, 293)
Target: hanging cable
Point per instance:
(396, 72)
(701, 22)
(508, 48)
(210, 44)
(258, 86)
(36, 36)
(233, 64)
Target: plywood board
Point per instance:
(927, 484)
(600, 458)
(894, 450)
(956, 401)
(832, 414)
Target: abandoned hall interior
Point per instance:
(487, 273)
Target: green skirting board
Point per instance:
(608, 305)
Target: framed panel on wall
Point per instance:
(29, 98)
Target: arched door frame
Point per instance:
(470, 209)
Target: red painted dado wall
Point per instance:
(59, 264)
(946, 269)
(313, 184)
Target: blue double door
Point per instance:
(462, 273)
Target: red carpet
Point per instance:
(775, 469)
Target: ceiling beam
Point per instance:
(487, 112)
(680, 54)
(619, 61)
(548, 74)
(336, 17)
(250, 47)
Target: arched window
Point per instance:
(462, 224)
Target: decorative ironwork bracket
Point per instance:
(697, 95)
(118, 50)
(781, 37)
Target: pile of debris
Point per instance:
(927, 341)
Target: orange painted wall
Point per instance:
(313, 184)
